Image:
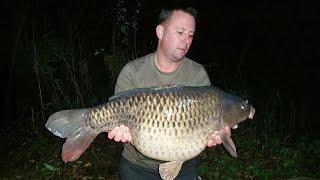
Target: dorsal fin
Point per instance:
(138, 90)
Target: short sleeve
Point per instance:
(203, 78)
(125, 80)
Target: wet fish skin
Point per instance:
(170, 123)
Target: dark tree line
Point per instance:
(65, 54)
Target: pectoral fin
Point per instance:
(170, 170)
(228, 144)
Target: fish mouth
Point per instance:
(252, 111)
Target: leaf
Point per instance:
(203, 169)
(49, 167)
(124, 29)
(88, 164)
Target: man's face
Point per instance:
(178, 35)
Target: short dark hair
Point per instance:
(165, 14)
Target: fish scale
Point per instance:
(173, 109)
(168, 123)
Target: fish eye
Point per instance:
(244, 104)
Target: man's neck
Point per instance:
(165, 65)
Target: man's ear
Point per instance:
(159, 31)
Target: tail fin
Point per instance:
(64, 123)
(70, 124)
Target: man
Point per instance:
(168, 65)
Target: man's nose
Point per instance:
(186, 39)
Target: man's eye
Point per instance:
(180, 32)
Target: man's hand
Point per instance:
(215, 138)
(120, 133)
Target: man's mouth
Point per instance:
(182, 49)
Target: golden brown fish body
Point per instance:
(170, 123)
(167, 124)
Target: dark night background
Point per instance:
(265, 51)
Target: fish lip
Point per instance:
(252, 111)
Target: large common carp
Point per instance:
(168, 123)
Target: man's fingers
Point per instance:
(125, 133)
(124, 137)
(118, 135)
(210, 143)
(113, 132)
(214, 139)
(217, 139)
(227, 130)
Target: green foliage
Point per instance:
(51, 53)
(62, 77)
(280, 161)
(124, 36)
(115, 60)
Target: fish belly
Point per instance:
(169, 144)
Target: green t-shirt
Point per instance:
(142, 72)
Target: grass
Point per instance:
(30, 155)
(295, 159)
(36, 155)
